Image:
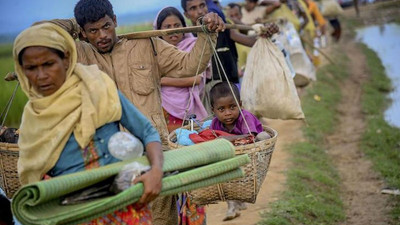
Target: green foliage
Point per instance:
(7, 65)
(5, 50)
(313, 185)
(375, 100)
(380, 141)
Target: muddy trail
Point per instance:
(364, 204)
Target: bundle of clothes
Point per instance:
(9, 135)
(190, 137)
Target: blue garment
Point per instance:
(182, 136)
(212, 7)
(71, 159)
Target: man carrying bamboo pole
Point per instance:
(137, 67)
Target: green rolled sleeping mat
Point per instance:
(203, 164)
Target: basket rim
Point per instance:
(269, 141)
(9, 146)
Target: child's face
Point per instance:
(234, 13)
(226, 110)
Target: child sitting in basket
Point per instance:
(231, 120)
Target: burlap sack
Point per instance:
(268, 89)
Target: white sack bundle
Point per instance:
(268, 89)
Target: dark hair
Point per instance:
(221, 90)
(169, 11)
(233, 5)
(90, 11)
(60, 53)
(184, 4)
(255, 1)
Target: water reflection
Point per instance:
(385, 41)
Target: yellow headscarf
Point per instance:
(87, 100)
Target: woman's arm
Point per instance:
(180, 82)
(136, 123)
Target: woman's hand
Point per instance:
(152, 184)
(213, 22)
(152, 179)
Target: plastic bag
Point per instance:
(268, 89)
(127, 175)
(124, 146)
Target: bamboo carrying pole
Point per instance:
(194, 29)
(197, 29)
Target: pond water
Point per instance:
(385, 41)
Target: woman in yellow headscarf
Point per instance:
(71, 113)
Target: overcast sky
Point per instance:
(17, 15)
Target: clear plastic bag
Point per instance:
(125, 146)
(127, 175)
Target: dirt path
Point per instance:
(288, 132)
(360, 185)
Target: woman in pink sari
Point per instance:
(178, 96)
(176, 93)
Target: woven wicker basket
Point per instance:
(9, 181)
(244, 189)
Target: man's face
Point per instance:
(250, 5)
(101, 34)
(234, 13)
(195, 9)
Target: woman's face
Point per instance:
(170, 22)
(45, 69)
